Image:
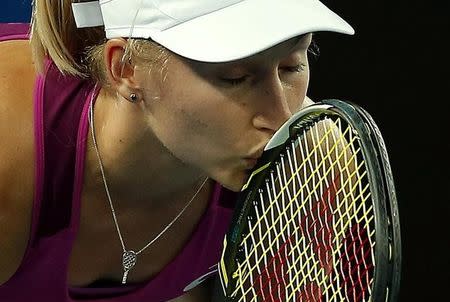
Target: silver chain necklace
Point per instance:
(129, 257)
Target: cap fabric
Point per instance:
(210, 30)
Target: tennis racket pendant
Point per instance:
(129, 259)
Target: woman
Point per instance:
(121, 153)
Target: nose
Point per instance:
(273, 105)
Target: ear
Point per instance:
(120, 70)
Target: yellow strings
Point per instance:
(244, 272)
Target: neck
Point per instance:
(138, 168)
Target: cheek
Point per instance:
(209, 137)
(193, 122)
(200, 126)
(296, 91)
(212, 129)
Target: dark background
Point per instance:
(396, 67)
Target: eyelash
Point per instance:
(237, 81)
(299, 68)
(234, 82)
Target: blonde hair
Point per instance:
(74, 51)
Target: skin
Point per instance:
(201, 120)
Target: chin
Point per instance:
(233, 180)
(233, 187)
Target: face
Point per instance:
(219, 117)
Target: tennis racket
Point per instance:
(318, 218)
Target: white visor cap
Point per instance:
(210, 30)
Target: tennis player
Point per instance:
(126, 128)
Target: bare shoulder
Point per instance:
(16, 153)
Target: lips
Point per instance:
(252, 160)
(250, 163)
(255, 155)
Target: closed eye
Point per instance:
(297, 68)
(234, 81)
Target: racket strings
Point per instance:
(349, 257)
(350, 190)
(297, 173)
(363, 247)
(274, 201)
(272, 212)
(308, 219)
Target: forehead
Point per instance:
(284, 49)
(277, 52)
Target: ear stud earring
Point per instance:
(133, 97)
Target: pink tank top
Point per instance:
(61, 129)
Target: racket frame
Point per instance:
(387, 227)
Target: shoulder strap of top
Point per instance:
(62, 101)
(14, 31)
